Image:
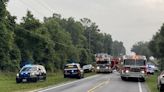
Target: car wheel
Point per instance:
(65, 76)
(18, 80)
(44, 78)
(161, 88)
(79, 76)
(83, 75)
(35, 79)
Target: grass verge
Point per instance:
(8, 84)
(152, 83)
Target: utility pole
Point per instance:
(89, 43)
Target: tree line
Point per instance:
(52, 42)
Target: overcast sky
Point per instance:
(129, 21)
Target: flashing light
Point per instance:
(28, 65)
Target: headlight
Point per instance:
(98, 67)
(127, 71)
(17, 75)
(142, 71)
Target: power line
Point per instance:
(29, 6)
(45, 6)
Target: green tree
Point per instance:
(118, 48)
(142, 48)
(10, 55)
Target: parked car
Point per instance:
(150, 69)
(31, 73)
(160, 84)
(88, 68)
(73, 70)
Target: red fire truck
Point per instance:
(133, 67)
(103, 63)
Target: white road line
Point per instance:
(140, 88)
(46, 89)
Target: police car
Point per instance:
(73, 70)
(31, 73)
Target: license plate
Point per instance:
(24, 80)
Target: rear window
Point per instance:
(70, 66)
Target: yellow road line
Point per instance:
(99, 85)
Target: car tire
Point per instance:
(83, 76)
(35, 79)
(65, 76)
(18, 80)
(161, 88)
(79, 76)
(44, 78)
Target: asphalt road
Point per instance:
(100, 83)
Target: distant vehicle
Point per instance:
(115, 62)
(160, 83)
(73, 70)
(150, 69)
(31, 73)
(103, 63)
(88, 68)
(133, 67)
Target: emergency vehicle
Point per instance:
(133, 67)
(103, 63)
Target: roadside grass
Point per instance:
(8, 84)
(152, 82)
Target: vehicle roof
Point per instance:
(33, 66)
(137, 57)
(73, 64)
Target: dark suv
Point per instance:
(73, 70)
(31, 73)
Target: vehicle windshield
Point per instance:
(29, 69)
(103, 62)
(134, 62)
(70, 66)
(87, 66)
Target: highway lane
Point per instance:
(100, 83)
